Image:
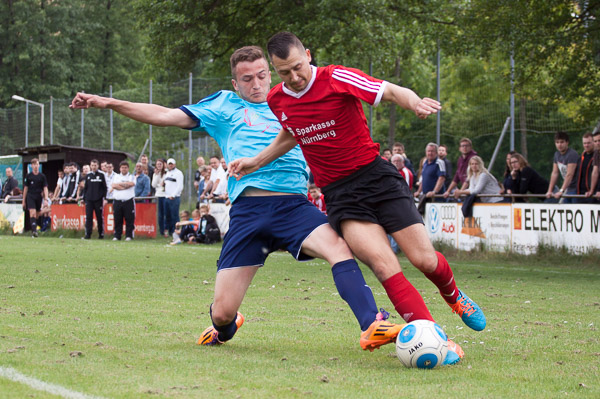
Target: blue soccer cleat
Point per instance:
(455, 353)
(470, 313)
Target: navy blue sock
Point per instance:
(227, 331)
(353, 289)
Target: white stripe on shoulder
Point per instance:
(356, 80)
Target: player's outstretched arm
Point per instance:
(408, 99)
(283, 143)
(151, 114)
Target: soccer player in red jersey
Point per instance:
(320, 109)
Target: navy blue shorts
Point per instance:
(261, 225)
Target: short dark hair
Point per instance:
(245, 54)
(123, 163)
(561, 136)
(34, 160)
(280, 44)
(94, 161)
(597, 132)
(586, 135)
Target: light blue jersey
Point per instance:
(243, 129)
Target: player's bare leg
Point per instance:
(416, 246)
(230, 288)
(326, 244)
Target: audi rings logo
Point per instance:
(448, 212)
(434, 219)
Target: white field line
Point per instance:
(13, 375)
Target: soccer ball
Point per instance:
(422, 344)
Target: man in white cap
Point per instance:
(173, 189)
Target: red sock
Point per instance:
(443, 278)
(406, 299)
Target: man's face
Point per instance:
(561, 146)
(203, 211)
(35, 167)
(442, 152)
(397, 149)
(214, 162)
(85, 169)
(124, 169)
(465, 147)
(103, 167)
(9, 173)
(200, 161)
(596, 139)
(387, 154)
(93, 167)
(295, 70)
(430, 153)
(144, 160)
(588, 144)
(398, 162)
(171, 166)
(223, 164)
(315, 193)
(252, 80)
(109, 168)
(138, 168)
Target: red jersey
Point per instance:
(328, 121)
(319, 203)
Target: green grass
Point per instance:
(134, 311)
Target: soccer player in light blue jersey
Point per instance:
(270, 210)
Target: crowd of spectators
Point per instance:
(574, 177)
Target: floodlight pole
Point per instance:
(19, 98)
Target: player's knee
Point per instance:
(426, 262)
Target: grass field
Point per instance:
(120, 320)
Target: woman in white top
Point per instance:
(481, 181)
(158, 182)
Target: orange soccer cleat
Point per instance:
(210, 336)
(380, 332)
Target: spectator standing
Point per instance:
(317, 198)
(158, 183)
(218, 177)
(433, 175)
(123, 186)
(443, 155)
(142, 181)
(9, 184)
(586, 169)
(148, 165)
(398, 162)
(34, 192)
(386, 154)
(84, 171)
(198, 179)
(94, 196)
(460, 177)
(103, 168)
(566, 162)
(71, 183)
(173, 189)
(398, 148)
(59, 184)
(109, 176)
(200, 184)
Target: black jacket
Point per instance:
(95, 186)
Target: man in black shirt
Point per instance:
(36, 187)
(94, 194)
(10, 184)
(586, 167)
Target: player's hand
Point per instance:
(426, 107)
(85, 101)
(241, 167)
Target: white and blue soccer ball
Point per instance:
(422, 344)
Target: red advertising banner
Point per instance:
(72, 217)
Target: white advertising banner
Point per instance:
(575, 227)
(520, 228)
